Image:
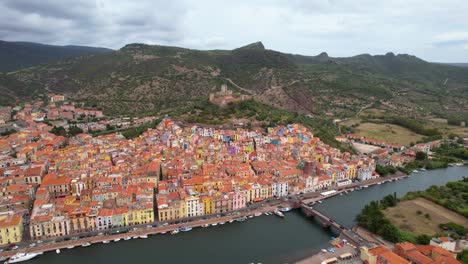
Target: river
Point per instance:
(265, 239)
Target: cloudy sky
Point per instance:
(435, 30)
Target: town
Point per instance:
(56, 186)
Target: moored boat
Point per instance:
(278, 213)
(230, 221)
(242, 219)
(19, 257)
(222, 223)
(70, 247)
(250, 216)
(205, 225)
(185, 228)
(286, 209)
(214, 224)
(127, 238)
(258, 214)
(143, 236)
(57, 251)
(106, 242)
(175, 231)
(117, 240)
(86, 244)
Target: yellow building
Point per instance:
(11, 229)
(141, 216)
(182, 209)
(207, 204)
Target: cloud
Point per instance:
(432, 29)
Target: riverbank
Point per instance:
(264, 239)
(289, 201)
(340, 208)
(335, 205)
(136, 233)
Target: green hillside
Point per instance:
(140, 79)
(17, 55)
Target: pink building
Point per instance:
(239, 199)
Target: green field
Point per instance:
(388, 133)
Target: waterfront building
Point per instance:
(11, 229)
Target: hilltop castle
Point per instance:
(226, 96)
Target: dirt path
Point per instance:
(241, 88)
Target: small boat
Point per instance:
(280, 214)
(185, 228)
(258, 214)
(21, 257)
(242, 219)
(423, 169)
(70, 247)
(135, 237)
(86, 244)
(175, 231)
(163, 232)
(144, 236)
(415, 171)
(127, 238)
(341, 194)
(379, 183)
(365, 186)
(205, 225)
(222, 223)
(106, 242)
(250, 216)
(214, 224)
(117, 240)
(320, 201)
(230, 221)
(57, 251)
(286, 209)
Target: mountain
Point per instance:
(140, 79)
(17, 55)
(458, 64)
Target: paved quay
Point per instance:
(321, 256)
(139, 232)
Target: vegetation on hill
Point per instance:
(144, 79)
(18, 55)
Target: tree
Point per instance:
(74, 130)
(59, 131)
(421, 155)
(423, 239)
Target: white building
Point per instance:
(444, 242)
(193, 206)
(343, 182)
(280, 188)
(364, 174)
